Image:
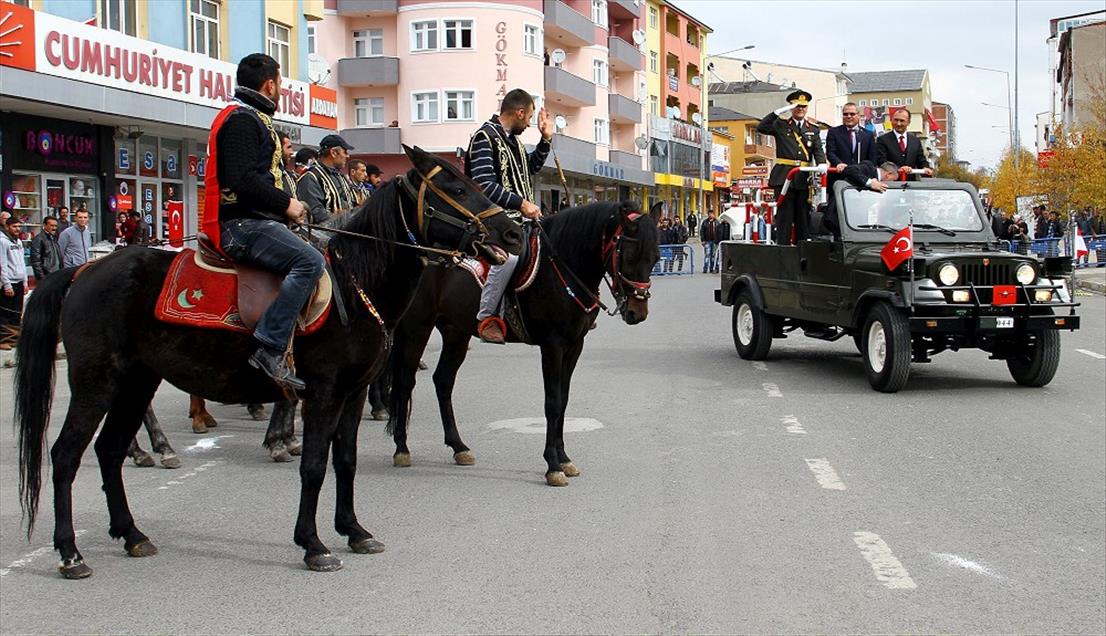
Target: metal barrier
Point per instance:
(1045, 246)
(676, 260)
(1096, 248)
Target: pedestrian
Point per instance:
(63, 219)
(679, 240)
(798, 143)
(664, 236)
(74, 241)
(848, 144)
(120, 223)
(45, 253)
(497, 160)
(324, 188)
(304, 159)
(900, 147)
(1054, 228)
(708, 235)
(13, 280)
(692, 224)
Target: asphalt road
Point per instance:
(717, 495)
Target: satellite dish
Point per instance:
(697, 118)
(560, 122)
(638, 36)
(318, 70)
(641, 142)
(558, 56)
(697, 81)
(673, 111)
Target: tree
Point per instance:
(947, 169)
(1012, 181)
(1075, 175)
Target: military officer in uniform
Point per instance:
(797, 144)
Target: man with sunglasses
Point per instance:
(849, 144)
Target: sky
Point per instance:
(939, 35)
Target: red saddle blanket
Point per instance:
(198, 294)
(525, 272)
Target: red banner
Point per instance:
(176, 223)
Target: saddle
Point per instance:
(529, 260)
(205, 289)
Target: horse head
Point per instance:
(453, 212)
(633, 254)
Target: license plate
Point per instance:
(1004, 323)
(996, 322)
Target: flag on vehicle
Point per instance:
(1080, 244)
(899, 248)
(1004, 295)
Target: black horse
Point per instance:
(558, 309)
(119, 353)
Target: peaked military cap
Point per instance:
(800, 98)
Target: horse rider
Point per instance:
(498, 162)
(288, 178)
(248, 210)
(798, 143)
(324, 187)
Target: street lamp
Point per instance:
(1015, 142)
(743, 48)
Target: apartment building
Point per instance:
(945, 131)
(880, 94)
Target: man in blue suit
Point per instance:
(849, 143)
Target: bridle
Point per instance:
(616, 280)
(473, 230)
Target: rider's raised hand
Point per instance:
(545, 124)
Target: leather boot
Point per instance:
(274, 364)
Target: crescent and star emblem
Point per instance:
(904, 241)
(182, 298)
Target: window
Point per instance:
(863, 103)
(369, 111)
(602, 132)
(654, 105)
(654, 17)
(898, 101)
(458, 34)
(424, 35)
(368, 43)
(204, 20)
(424, 107)
(118, 15)
(886, 102)
(909, 101)
(599, 12)
(654, 61)
(539, 103)
(279, 35)
(310, 38)
(460, 106)
(599, 72)
(531, 39)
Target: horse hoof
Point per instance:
(142, 549)
(366, 546)
(323, 562)
(570, 469)
(403, 460)
(143, 459)
(74, 570)
(259, 415)
(198, 427)
(170, 460)
(465, 458)
(279, 453)
(209, 421)
(556, 478)
(380, 415)
(295, 446)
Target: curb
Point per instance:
(1091, 286)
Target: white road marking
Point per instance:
(1097, 356)
(760, 366)
(772, 389)
(26, 559)
(536, 425)
(825, 474)
(792, 426)
(887, 568)
(960, 562)
(206, 443)
(179, 479)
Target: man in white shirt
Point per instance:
(13, 280)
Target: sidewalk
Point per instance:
(1092, 279)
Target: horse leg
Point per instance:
(455, 346)
(408, 343)
(280, 427)
(572, 355)
(201, 419)
(158, 442)
(256, 411)
(140, 457)
(320, 422)
(378, 396)
(123, 421)
(361, 540)
(552, 368)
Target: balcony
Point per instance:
(364, 8)
(373, 141)
(567, 89)
(571, 147)
(368, 71)
(624, 56)
(623, 9)
(623, 110)
(625, 159)
(567, 27)
(757, 151)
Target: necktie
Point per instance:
(902, 144)
(852, 139)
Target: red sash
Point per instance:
(212, 190)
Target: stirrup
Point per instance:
(486, 325)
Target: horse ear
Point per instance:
(419, 158)
(655, 211)
(629, 210)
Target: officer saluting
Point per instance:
(797, 144)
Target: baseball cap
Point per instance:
(334, 141)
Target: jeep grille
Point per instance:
(986, 275)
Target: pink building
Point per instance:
(428, 72)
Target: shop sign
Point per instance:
(56, 146)
(749, 183)
(686, 132)
(609, 171)
(56, 46)
(754, 171)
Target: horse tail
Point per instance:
(34, 383)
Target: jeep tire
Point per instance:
(1036, 362)
(752, 329)
(887, 351)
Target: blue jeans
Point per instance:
(710, 257)
(270, 245)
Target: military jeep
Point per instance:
(958, 291)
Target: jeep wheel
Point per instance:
(886, 352)
(752, 330)
(1036, 363)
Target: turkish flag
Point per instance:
(899, 248)
(1005, 295)
(176, 223)
(1080, 244)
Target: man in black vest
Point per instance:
(498, 161)
(797, 144)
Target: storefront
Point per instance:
(679, 157)
(588, 179)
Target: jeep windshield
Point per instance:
(938, 211)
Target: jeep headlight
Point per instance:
(1025, 274)
(948, 274)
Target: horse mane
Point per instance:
(365, 258)
(578, 231)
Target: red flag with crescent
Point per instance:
(176, 223)
(899, 248)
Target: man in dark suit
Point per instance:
(797, 144)
(865, 176)
(900, 147)
(849, 144)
